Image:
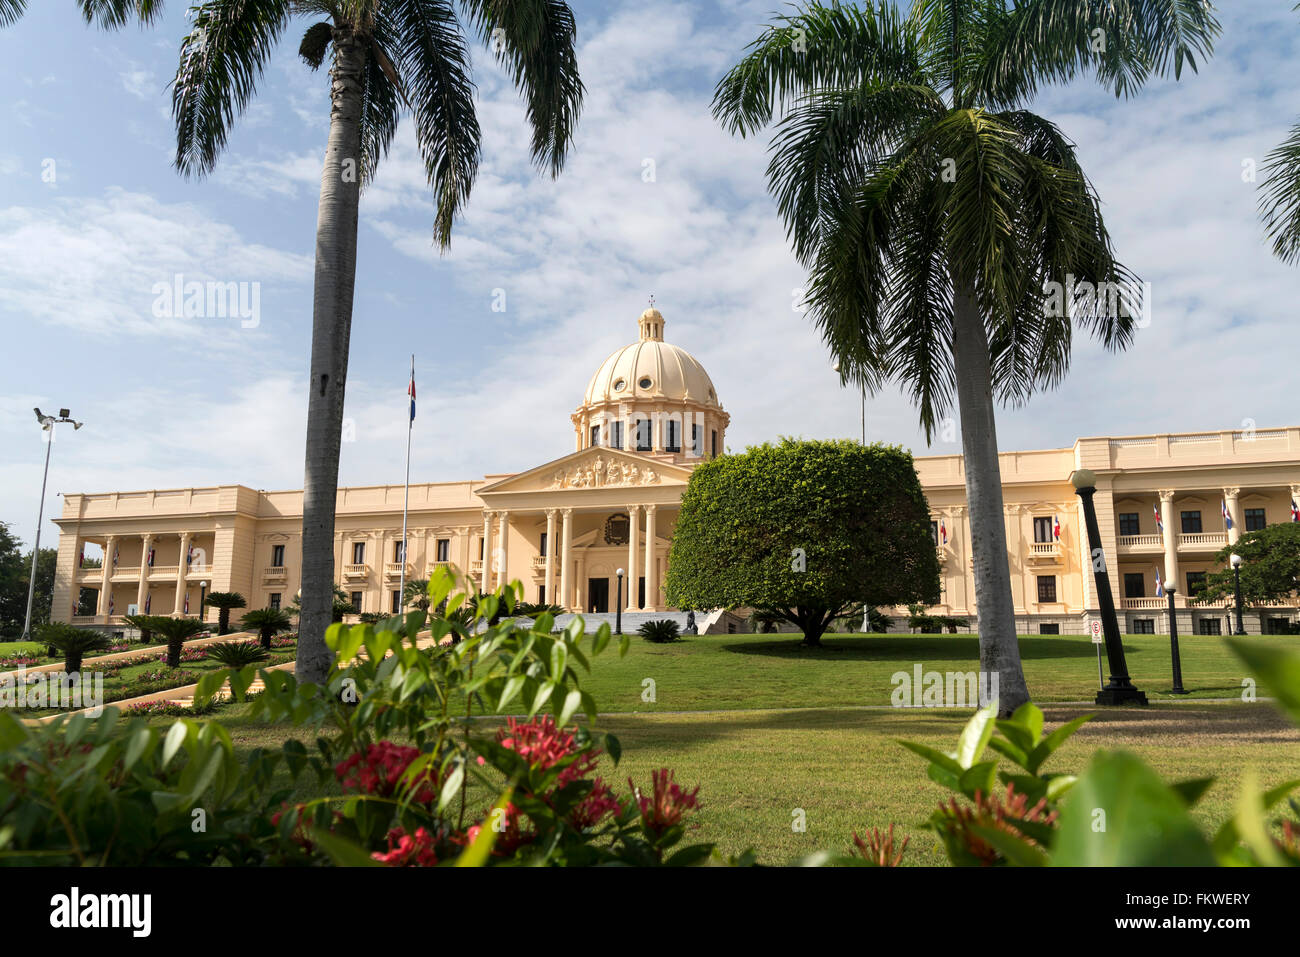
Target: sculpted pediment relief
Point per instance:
(600, 471)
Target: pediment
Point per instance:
(594, 468)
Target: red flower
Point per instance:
(379, 771)
(668, 805)
(543, 745)
(595, 806)
(408, 850)
(508, 823)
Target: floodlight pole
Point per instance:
(48, 422)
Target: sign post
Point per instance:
(1098, 639)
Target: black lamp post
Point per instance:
(618, 606)
(1170, 588)
(1119, 690)
(1236, 574)
(203, 593)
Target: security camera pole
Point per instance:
(47, 423)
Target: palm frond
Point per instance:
(11, 11)
(381, 95)
(1279, 202)
(316, 43)
(221, 60)
(536, 41)
(111, 14)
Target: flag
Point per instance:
(148, 600)
(943, 531)
(81, 558)
(1227, 519)
(411, 391)
(1160, 526)
(110, 605)
(151, 558)
(189, 555)
(1295, 511)
(1056, 527)
(114, 556)
(187, 602)
(1160, 588)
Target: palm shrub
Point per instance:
(176, 631)
(659, 630)
(945, 227)
(237, 654)
(224, 601)
(74, 643)
(532, 609)
(267, 622)
(416, 594)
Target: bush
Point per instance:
(660, 631)
(75, 643)
(237, 654)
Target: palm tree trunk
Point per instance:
(999, 647)
(336, 264)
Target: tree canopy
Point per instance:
(805, 529)
(1270, 566)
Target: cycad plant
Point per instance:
(237, 654)
(74, 643)
(267, 622)
(952, 239)
(224, 601)
(176, 631)
(660, 630)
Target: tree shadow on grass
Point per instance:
(907, 648)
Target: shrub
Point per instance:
(237, 654)
(74, 643)
(267, 622)
(176, 631)
(224, 601)
(661, 630)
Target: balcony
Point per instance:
(393, 571)
(1144, 604)
(126, 572)
(356, 572)
(276, 574)
(476, 566)
(1202, 541)
(1141, 544)
(1045, 553)
(539, 563)
(165, 572)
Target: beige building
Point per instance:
(650, 414)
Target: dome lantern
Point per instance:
(651, 325)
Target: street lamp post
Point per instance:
(203, 591)
(1236, 574)
(1170, 588)
(618, 606)
(47, 423)
(1120, 689)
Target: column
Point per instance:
(657, 430)
(485, 551)
(548, 577)
(633, 542)
(1231, 499)
(566, 533)
(181, 568)
(1171, 538)
(142, 591)
(651, 566)
(105, 579)
(503, 574)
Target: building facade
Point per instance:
(649, 416)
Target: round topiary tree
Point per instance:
(223, 601)
(804, 531)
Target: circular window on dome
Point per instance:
(618, 385)
(645, 382)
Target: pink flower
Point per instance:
(595, 806)
(543, 745)
(668, 804)
(511, 834)
(407, 850)
(379, 771)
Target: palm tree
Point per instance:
(237, 654)
(176, 631)
(224, 601)
(73, 642)
(416, 594)
(1279, 203)
(267, 622)
(145, 625)
(386, 56)
(931, 208)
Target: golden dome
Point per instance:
(651, 369)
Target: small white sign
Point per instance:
(1097, 637)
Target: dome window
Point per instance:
(645, 382)
(618, 385)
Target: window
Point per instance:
(595, 436)
(1129, 524)
(442, 550)
(356, 601)
(1135, 585)
(715, 443)
(1191, 523)
(1209, 626)
(541, 594)
(674, 443)
(1277, 626)
(934, 533)
(1144, 626)
(1042, 530)
(1046, 588)
(1195, 584)
(542, 548)
(1049, 629)
(616, 439)
(697, 440)
(274, 601)
(644, 382)
(482, 544)
(643, 440)
(399, 551)
(277, 556)
(1255, 519)
(397, 602)
(640, 594)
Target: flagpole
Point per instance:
(406, 495)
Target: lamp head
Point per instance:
(1083, 478)
(64, 413)
(1170, 588)
(620, 573)
(1236, 560)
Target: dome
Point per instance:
(651, 369)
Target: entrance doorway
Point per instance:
(598, 594)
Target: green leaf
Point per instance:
(559, 660)
(341, 851)
(1278, 670)
(514, 684)
(1250, 822)
(172, 742)
(975, 736)
(451, 787)
(937, 758)
(1120, 814)
(1016, 850)
(543, 695)
(978, 777)
(1053, 741)
(1192, 790)
(571, 702)
(477, 854)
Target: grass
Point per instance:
(729, 672)
(845, 770)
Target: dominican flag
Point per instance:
(1227, 519)
(1160, 526)
(1295, 511)
(189, 555)
(411, 390)
(114, 557)
(187, 603)
(150, 558)
(1056, 527)
(148, 600)
(943, 531)
(1160, 588)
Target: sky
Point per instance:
(656, 198)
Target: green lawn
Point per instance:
(729, 672)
